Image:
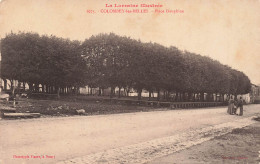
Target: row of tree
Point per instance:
(110, 61)
(50, 61)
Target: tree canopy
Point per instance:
(109, 60)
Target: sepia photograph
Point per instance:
(129, 81)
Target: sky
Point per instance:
(225, 30)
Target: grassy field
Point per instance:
(92, 105)
(68, 106)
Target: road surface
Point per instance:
(118, 138)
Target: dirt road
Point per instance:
(126, 138)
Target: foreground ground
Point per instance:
(242, 145)
(120, 138)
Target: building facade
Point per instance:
(255, 94)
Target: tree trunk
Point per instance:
(91, 91)
(18, 87)
(5, 84)
(112, 92)
(119, 92)
(102, 92)
(201, 96)
(23, 86)
(50, 89)
(183, 96)
(164, 95)
(125, 93)
(99, 91)
(158, 94)
(189, 96)
(30, 87)
(139, 94)
(208, 96)
(167, 95)
(78, 91)
(12, 87)
(12, 84)
(150, 93)
(176, 96)
(58, 92)
(36, 86)
(43, 88)
(47, 89)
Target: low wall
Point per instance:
(172, 105)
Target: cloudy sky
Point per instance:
(225, 30)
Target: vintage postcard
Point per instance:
(129, 81)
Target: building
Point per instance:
(255, 94)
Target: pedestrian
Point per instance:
(240, 105)
(235, 106)
(230, 105)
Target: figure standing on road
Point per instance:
(230, 105)
(240, 105)
(235, 106)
